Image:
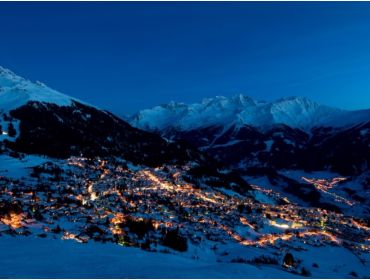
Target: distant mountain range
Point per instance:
(240, 110)
(292, 132)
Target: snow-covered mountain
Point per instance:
(16, 91)
(295, 112)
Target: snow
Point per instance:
(269, 144)
(263, 198)
(333, 261)
(228, 144)
(297, 112)
(229, 192)
(29, 257)
(16, 91)
(300, 112)
(16, 168)
(365, 132)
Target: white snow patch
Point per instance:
(16, 168)
(269, 144)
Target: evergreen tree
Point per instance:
(288, 260)
(11, 130)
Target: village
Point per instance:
(157, 209)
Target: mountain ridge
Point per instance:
(296, 112)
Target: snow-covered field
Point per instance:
(28, 257)
(19, 168)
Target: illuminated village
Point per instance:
(160, 210)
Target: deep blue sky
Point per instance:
(128, 56)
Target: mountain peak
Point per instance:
(16, 91)
(243, 100)
(5, 71)
(238, 100)
(298, 101)
(9, 78)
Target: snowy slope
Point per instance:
(16, 91)
(297, 112)
(47, 258)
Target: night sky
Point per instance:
(129, 56)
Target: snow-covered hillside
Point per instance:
(16, 91)
(296, 112)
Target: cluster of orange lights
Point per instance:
(272, 238)
(184, 188)
(68, 235)
(187, 195)
(13, 220)
(325, 185)
(245, 222)
(118, 219)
